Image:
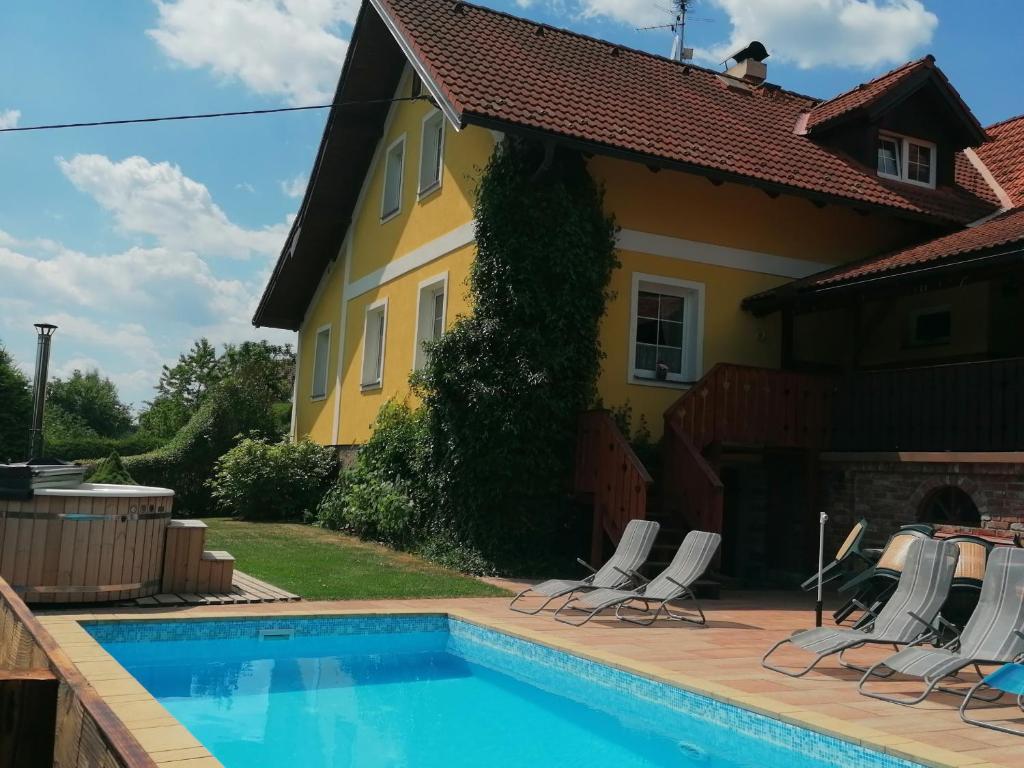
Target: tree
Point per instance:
(15, 410)
(191, 378)
(94, 400)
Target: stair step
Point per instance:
(216, 570)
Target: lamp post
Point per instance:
(45, 332)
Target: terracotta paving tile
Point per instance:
(722, 660)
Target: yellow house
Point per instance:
(726, 189)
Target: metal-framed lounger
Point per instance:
(849, 550)
(910, 614)
(875, 584)
(674, 583)
(992, 636)
(631, 553)
(1009, 678)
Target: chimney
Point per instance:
(750, 66)
(45, 332)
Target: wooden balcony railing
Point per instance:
(692, 491)
(960, 407)
(742, 405)
(609, 471)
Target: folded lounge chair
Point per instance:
(631, 553)
(908, 616)
(992, 636)
(846, 555)
(674, 583)
(1009, 678)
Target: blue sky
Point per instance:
(137, 240)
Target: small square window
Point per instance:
(930, 327)
(432, 153)
(919, 163)
(394, 168)
(374, 335)
(888, 157)
(321, 360)
(905, 159)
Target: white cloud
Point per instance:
(9, 118)
(842, 33)
(631, 12)
(157, 199)
(295, 187)
(129, 312)
(285, 48)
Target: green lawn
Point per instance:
(323, 565)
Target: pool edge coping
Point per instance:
(171, 745)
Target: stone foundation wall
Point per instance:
(889, 490)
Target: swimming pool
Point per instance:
(433, 691)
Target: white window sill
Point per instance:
(429, 192)
(373, 386)
(317, 398)
(388, 217)
(660, 383)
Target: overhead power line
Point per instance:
(204, 116)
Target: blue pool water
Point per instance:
(429, 692)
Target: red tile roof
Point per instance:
(1004, 156)
(864, 94)
(505, 72)
(1006, 229)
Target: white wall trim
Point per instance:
(346, 248)
(431, 282)
(698, 317)
(416, 258)
(295, 388)
(717, 255)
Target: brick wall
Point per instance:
(889, 492)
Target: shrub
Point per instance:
(111, 471)
(15, 410)
(184, 464)
(259, 480)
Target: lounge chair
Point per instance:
(875, 584)
(631, 553)
(1009, 678)
(674, 583)
(847, 553)
(992, 636)
(908, 616)
(968, 579)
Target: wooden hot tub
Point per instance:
(85, 543)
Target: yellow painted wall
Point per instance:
(691, 208)
(315, 418)
(374, 244)
(358, 406)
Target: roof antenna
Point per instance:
(678, 26)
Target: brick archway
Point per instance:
(927, 488)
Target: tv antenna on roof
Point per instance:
(678, 26)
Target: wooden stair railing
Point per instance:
(736, 405)
(609, 472)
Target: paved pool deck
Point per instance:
(721, 660)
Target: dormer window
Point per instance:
(906, 159)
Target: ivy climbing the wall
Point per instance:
(479, 476)
(503, 387)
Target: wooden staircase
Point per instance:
(188, 567)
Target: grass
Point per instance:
(317, 564)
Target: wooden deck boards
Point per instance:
(244, 589)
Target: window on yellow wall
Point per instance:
(374, 336)
(394, 169)
(666, 330)
(432, 153)
(321, 358)
(430, 317)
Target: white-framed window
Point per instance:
(906, 159)
(374, 337)
(431, 153)
(430, 315)
(666, 330)
(931, 326)
(394, 170)
(321, 361)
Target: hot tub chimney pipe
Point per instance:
(46, 332)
